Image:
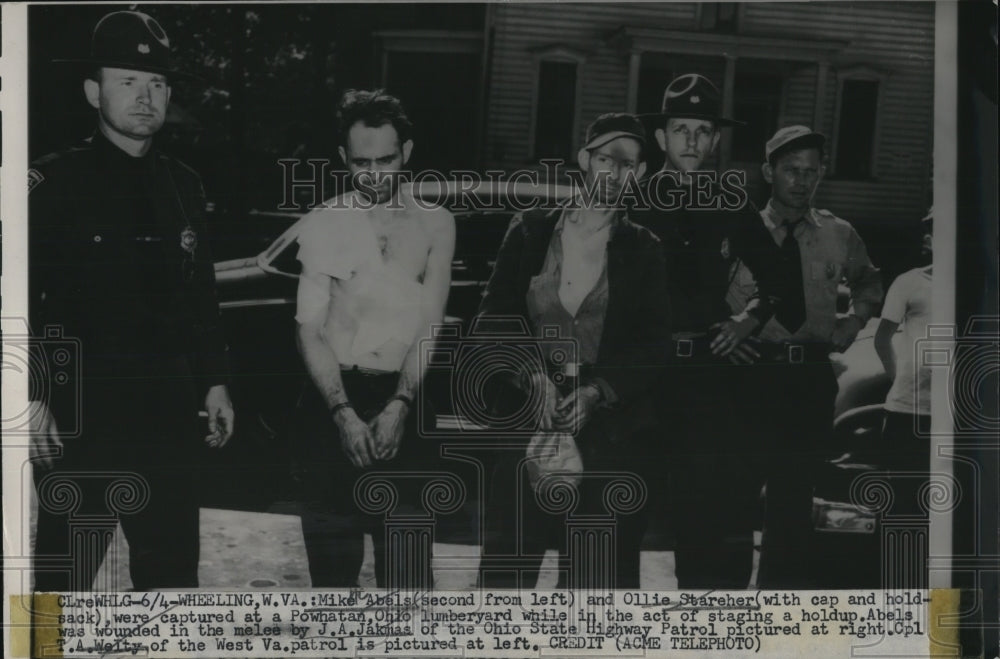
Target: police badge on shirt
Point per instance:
(189, 240)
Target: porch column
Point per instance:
(634, 62)
(728, 91)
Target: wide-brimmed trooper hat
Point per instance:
(130, 40)
(693, 96)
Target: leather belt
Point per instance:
(362, 370)
(691, 347)
(794, 353)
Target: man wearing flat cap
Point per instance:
(802, 257)
(587, 270)
(119, 260)
(700, 222)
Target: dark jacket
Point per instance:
(634, 341)
(119, 259)
(701, 247)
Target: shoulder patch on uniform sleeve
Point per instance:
(34, 178)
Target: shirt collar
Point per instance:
(108, 148)
(615, 224)
(772, 221)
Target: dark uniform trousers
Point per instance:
(522, 524)
(792, 431)
(119, 259)
(135, 463)
(336, 512)
(713, 487)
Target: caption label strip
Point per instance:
(483, 624)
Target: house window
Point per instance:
(719, 16)
(856, 128)
(757, 103)
(555, 109)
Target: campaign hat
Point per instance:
(130, 40)
(693, 96)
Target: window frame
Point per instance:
(856, 73)
(564, 54)
(740, 8)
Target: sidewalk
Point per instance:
(260, 551)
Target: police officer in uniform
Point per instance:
(800, 259)
(119, 259)
(700, 219)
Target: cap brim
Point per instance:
(718, 121)
(172, 73)
(604, 138)
(809, 140)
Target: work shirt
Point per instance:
(546, 309)
(830, 252)
(119, 260)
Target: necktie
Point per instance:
(791, 310)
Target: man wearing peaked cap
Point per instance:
(118, 258)
(588, 270)
(700, 217)
(801, 256)
(792, 137)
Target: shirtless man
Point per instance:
(376, 269)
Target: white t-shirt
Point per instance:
(908, 303)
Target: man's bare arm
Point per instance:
(437, 282)
(883, 346)
(324, 367)
(320, 360)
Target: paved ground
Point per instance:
(258, 551)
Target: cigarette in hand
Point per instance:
(213, 438)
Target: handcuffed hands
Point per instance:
(574, 409)
(387, 429)
(731, 341)
(550, 396)
(356, 437)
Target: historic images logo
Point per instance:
(34, 178)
